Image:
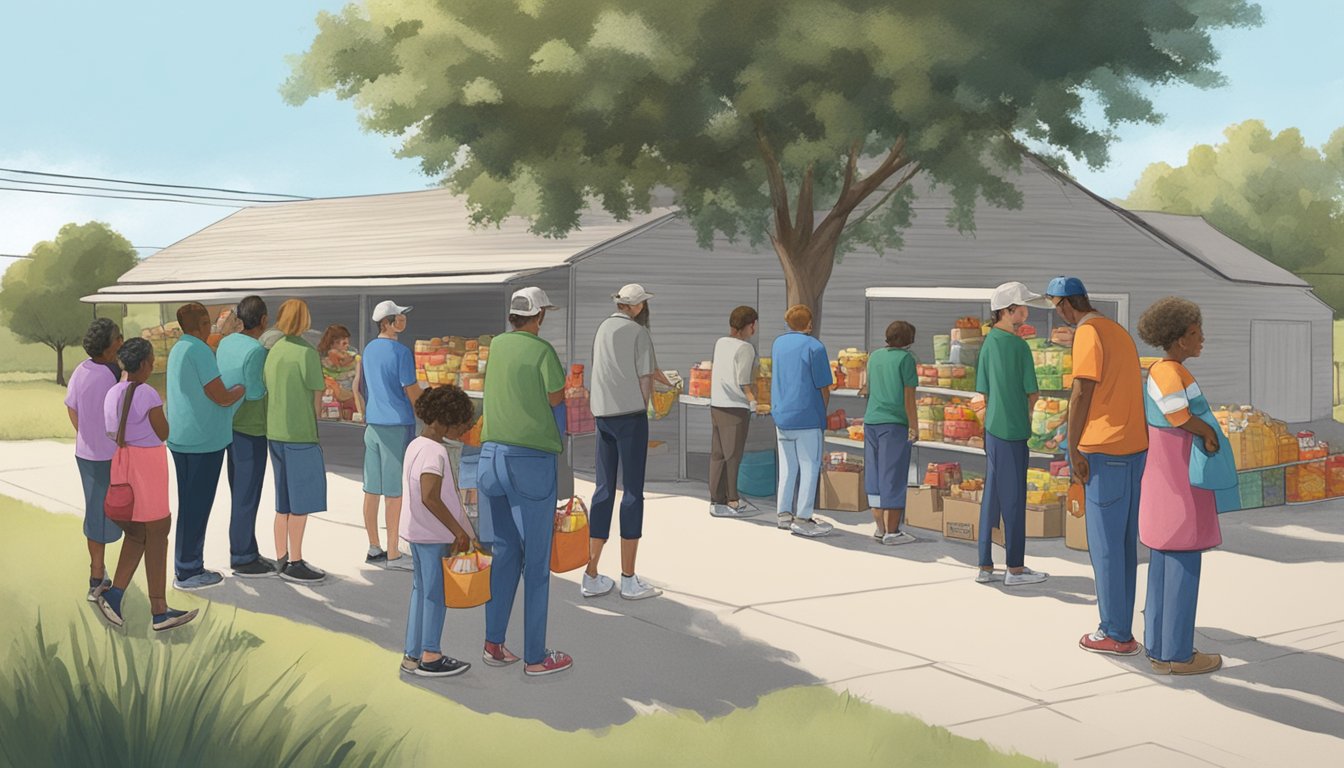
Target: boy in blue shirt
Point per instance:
(799, 394)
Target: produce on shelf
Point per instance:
(969, 489)
(1306, 482)
(840, 461)
(763, 369)
(1261, 441)
(451, 360)
(578, 408)
(1045, 489)
(1054, 365)
(850, 369)
(1049, 424)
(943, 476)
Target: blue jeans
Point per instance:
(247, 471)
(424, 622)
(886, 465)
(1005, 499)
(799, 470)
(622, 443)
(1113, 537)
(197, 481)
(1169, 615)
(520, 485)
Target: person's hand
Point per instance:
(1081, 470)
(1211, 445)
(914, 435)
(462, 545)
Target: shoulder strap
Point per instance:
(125, 414)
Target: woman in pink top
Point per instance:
(435, 524)
(88, 388)
(133, 412)
(1177, 521)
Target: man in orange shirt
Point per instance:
(1108, 447)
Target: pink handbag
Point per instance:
(119, 504)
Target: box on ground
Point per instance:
(1075, 532)
(842, 491)
(1045, 522)
(961, 519)
(924, 508)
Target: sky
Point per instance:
(188, 93)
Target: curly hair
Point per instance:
(446, 405)
(134, 353)
(333, 334)
(102, 332)
(1167, 320)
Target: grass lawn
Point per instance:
(33, 409)
(334, 674)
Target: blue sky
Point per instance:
(187, 92)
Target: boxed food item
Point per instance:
(1251, 489)
(942, 347)
(1042, 523)
(1334, 476)
(1305, 482)
(961, 519)
(1273, 490)
(841, 488)
(924, 508)
(943, 476)
(701, 379)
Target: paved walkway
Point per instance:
(750, 609)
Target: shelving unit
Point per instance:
(845, 442)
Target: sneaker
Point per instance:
(878, 536)
(399, 563)
(409, 664)
(899, 537)
(984, 577)
(1199, 664)
(172, 619)
(743, 505)
(496, 655)
(281, 563)
(444, 666)
(259, 568)
(554, 661)
(98, 587)
(300, 572)
(377, 556)
(202, 580)
(784, 520)
(596, 586)
(1098, 642)
(109, 602)
(1027, 576)
(810, 527)
(727, 510)
(635, 588)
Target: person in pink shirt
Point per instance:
(435, 524)
(89, 384)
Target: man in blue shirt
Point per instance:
(390, 389)
(799, 394)
(199, 410)
(242, 360)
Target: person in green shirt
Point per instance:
(1006, 377)
(890, 426)
(294, 386)
(242, 361)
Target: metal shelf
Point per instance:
(847, 443)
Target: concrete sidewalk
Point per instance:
(750, 609)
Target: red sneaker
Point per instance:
(496, 655)
(554, 661)
(1098, 642)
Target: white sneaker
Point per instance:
(1027, 576)
(784, 520)
(811, 527)
(635, 588)
(725, 510)
(984, 577)
(899, 537)
(596, 586)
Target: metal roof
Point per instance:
(1208, 244)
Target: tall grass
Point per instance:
(103, 698)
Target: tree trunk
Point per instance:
(60, 364)
(807, 273)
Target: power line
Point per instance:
(114, 189)
(151, 184)
(122, 197)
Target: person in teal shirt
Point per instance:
(890, 427)
(199, 410)
(1006, 376)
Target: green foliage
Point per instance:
(34, 410)
(535, 107)
(104, 699)
(39, 297)
(1274, 194)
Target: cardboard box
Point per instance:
(1042, 523)
(924, 508)
(842, 491)
(1075, 532)
(961, 519)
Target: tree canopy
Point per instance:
(757, 114)
(1275, 194)
(40, 296)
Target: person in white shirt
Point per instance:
(731, 403)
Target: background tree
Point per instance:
(39, 297)
(797, 121)
(1274, 194)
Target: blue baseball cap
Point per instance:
(1066, 286)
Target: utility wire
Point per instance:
(133, 191)
(122, 197)
(151, 184)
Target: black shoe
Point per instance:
(301, 573)
(377, 558)
(442, 667)
(256, 569)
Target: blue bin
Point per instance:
(757, 475)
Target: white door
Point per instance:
(772, 301)
(1279, 386)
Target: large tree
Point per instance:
(39, 296)
(1275, 194)
(797, 121)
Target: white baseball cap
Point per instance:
(529, 302)
(631, 295)
(1010, 294)
(386, 309)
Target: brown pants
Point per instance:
(149, 540)
(727, 443)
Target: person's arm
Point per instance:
(1175, 406)
(215, 390)
(413, 392)
(317, 404)
(359, 381)
(431, 494)
(646, 388)
(1080, 402)
(1029, 383)
(912, 413)
(553, 378)
(74, 417)
(661, 378)
(159, 422)
(646, 365)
